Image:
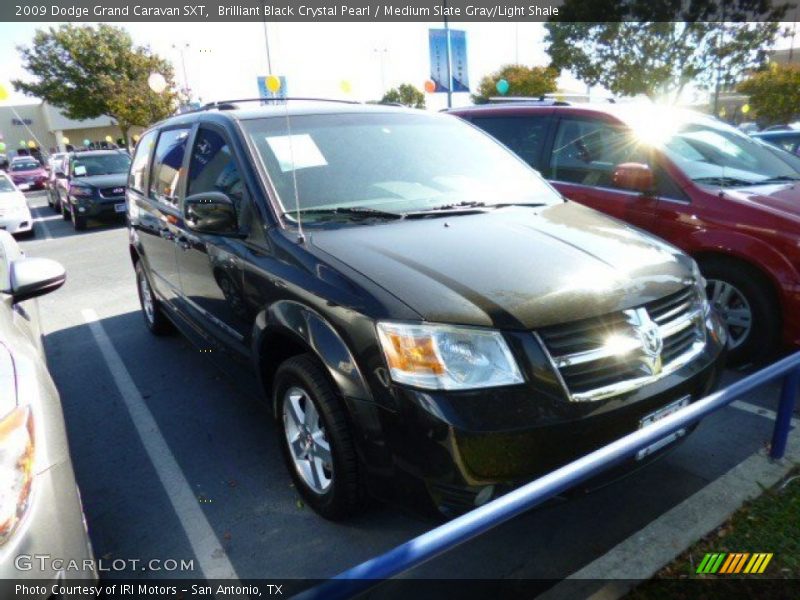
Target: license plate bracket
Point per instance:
(657, 415)
(120, 208)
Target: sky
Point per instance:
(223, 59)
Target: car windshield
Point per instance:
(390, 162)
(102, 164)
(24, 165)
(712, 153)
(6, 185)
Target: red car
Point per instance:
(707, 188)
(27, 173)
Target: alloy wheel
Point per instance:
(306, 439)
(734, 309)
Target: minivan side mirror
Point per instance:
(633, 176)
(31, 277)
(210, 212)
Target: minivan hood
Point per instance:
(783, 197)
(511, 268)
(101, 181)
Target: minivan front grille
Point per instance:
(612, 354)
(112, 192)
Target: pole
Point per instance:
(783, 421)
(266, 45)
(449, 65)
(182, 49)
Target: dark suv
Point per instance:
(93, 186)
(427, 316)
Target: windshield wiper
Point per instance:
(354, 211)
(778, 179)
(723, 181)
(452, 206)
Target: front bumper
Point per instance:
(99, 207)
(54, 528)
(27, 185)
(451, 447)
(17, 223)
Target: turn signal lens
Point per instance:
(447, 357)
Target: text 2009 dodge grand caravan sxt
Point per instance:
(427, 316)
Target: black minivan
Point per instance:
(428, 317)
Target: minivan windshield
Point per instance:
(712, 153)
(24, 165)
(390, 162)
(102, 164)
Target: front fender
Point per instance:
(312, 330)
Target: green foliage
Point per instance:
(90, 72)
(774, 93)
(405, 94)
(649, 54)
(522, 81)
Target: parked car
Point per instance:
(3, 162)
(40, 507)
(56, 181)
(427, 316)
(27, 173)
(714, 192)
(788, 140)
(94, 186)
(15, 216)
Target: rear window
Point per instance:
(139, 164)
(24, 165)
(523, 135)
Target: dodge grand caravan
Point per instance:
(429, 319)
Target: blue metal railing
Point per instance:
(461, 529)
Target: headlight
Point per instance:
(16, 450)
(446, 357)
(80, 191)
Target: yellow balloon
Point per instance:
(136, 137)
(746, 109)
(31, 144)
(65, 140)
(346, 86)
(273, 83)
(3, 93)
(109, 139)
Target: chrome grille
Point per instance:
(615, 353)
(112, 192)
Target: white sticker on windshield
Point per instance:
(296, 152)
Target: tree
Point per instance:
(774, 93)
(90, 72)
(651, 51)
(405, 94)
(522, 81)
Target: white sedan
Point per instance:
(15, 216)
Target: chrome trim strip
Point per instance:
(556, 370)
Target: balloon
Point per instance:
(273, 83)
(722, 112)
(86, 142)
(745, 109)
(136, 137)
(502, 87)
(2, 146)
(157, 82)
(346, 86)
(22, 143)
(3, 93)
(65, 140)
(109, 139)
(430, 86)
(31, 144)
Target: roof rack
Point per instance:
(231, 104)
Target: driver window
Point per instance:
(586, 152)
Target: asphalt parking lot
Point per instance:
(225, 484)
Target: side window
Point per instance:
(586, 152)
(167, 161)
(213, 168)
(139, 164)
(524, 135)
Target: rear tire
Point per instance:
(154, 318)
(310, 413)
(744, 300)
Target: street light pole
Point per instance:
(381, 52)
(182, 49)
(266, 44)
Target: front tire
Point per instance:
(316, 439)
(154, 318)
(742, 296)
(78, 222)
